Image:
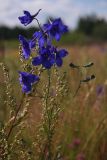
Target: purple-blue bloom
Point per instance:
(27, 18)
(26, 81)
(27, 45)
(26, 50)
(55, 29)
(46, 57)
(59, 55)
(42, 38)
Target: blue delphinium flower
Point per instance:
(46, 57)
(55, 29)
(41, 37)
(27, 18)
(59, 55)
(26, 81)
(27, 45)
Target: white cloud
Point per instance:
(69, 10)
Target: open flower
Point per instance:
(59, 55)
(26, 81)
(27, 18)
(42, 38)
(27, 45)
(55, 29)
(45, 57)
(48, 56)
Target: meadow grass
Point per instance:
(81, 129)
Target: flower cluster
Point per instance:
(26, 80)
(47, 55)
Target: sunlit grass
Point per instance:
(82, 131)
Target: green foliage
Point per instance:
(93, 27)
(74, 38)
(7, 33)
(81, 128)
(100, 32)
(89, 29)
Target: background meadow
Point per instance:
(82, 126)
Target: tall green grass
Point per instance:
(82, 125)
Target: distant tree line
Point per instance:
(93, 26)
(90, 27)
(7, 33)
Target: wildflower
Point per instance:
(59, 55)
(45, 57)
(42, 38)
(27, 18)
(26, 81)
(55, 29)
(27, 45)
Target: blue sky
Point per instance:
(68, 10)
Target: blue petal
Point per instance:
(56, 29)
(26, 80)
(26, 19)
(62, 53)
(27, 13)
(21, 38)
(41, 39)
(47, 64)
(26, 88)
(37, 61)
(25, 47)
(32, 44)
(52, 59)
(37, 34)
(21, 18)
(33, 78)
(46, 27)
(59, 62)
(57, 36)
(26, 52)
(63, 28)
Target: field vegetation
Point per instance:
(80, 121)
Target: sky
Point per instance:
(68, 10)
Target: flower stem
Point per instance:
(46, 153)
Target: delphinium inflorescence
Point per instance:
(40, 58)
(40, 77)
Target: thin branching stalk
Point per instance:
(15, 117)
(49, 118)
(47, 121)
